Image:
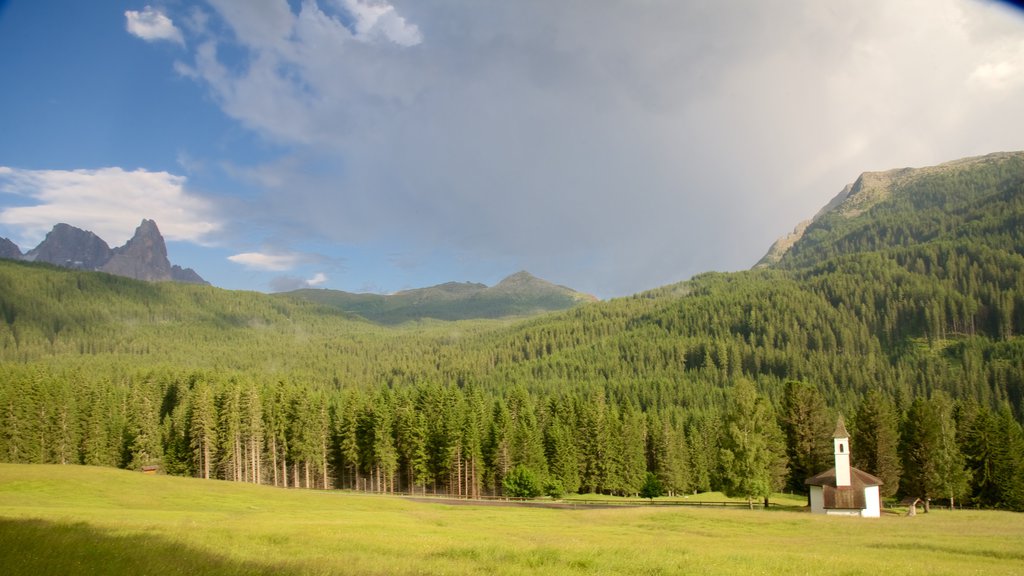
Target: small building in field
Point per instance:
(844, 490)
(150, 469)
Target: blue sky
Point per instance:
(371, 146)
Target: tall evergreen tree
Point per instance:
(411, 442)
(703, 434)
(561, 451)
(875, 442)
(933, 465)
(142, 438)
(594, 437)
(628, 463)
(753, 452)
(668, 455)
(203, 427)
(807, 427)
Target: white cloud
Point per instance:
(317, 279)
(994, 74)
(272, 262)
(379, 19)
(152, 25)
(1002, 67)
(108, 201)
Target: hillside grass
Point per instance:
(78, 520)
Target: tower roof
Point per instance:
(841, 429)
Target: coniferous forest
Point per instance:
(905, 315)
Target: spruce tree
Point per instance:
(807, 426)
(933, 465)
(203, 427)
(875, 441)
(753, 452)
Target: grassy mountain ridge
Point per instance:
(520, 294)
(945, 190)
(972, 200)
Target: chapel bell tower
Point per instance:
(841, 439)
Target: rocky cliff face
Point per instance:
(71, 247)
(9, 250)
(144, 257)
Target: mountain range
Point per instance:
(520, 294)
(143, 257)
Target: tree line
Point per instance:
(464, 441)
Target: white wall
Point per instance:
(817, 500)
(873, 502)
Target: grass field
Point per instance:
(81, 520)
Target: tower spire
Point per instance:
(841, 440)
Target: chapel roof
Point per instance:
(859, 479)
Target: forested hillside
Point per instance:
(905, 314)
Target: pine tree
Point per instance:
(411, 441)
(252, 434)
(753, 452)
(628, 442)
(562, 453)
(806, 424)
(875, 442)
(347, 436)
(668, 455)
(594, 442)
(203, 427)
(933, 465)
(953, 476)
(1009, 468)
(143, 430)
(385, 455)
(703, 434)
(229, 432)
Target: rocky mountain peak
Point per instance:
(9, 250)
(143, 257)
(71, 247)
(523, 281)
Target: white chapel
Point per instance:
(844, 490)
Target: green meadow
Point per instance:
(84, 520)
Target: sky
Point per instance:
(367, 146)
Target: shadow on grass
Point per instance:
(41, 547)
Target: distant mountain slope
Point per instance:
(907, 206)
(143, 257)
(520, 294)
(50, 311)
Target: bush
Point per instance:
(652, 487)
(553, 488)
(521, 482)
